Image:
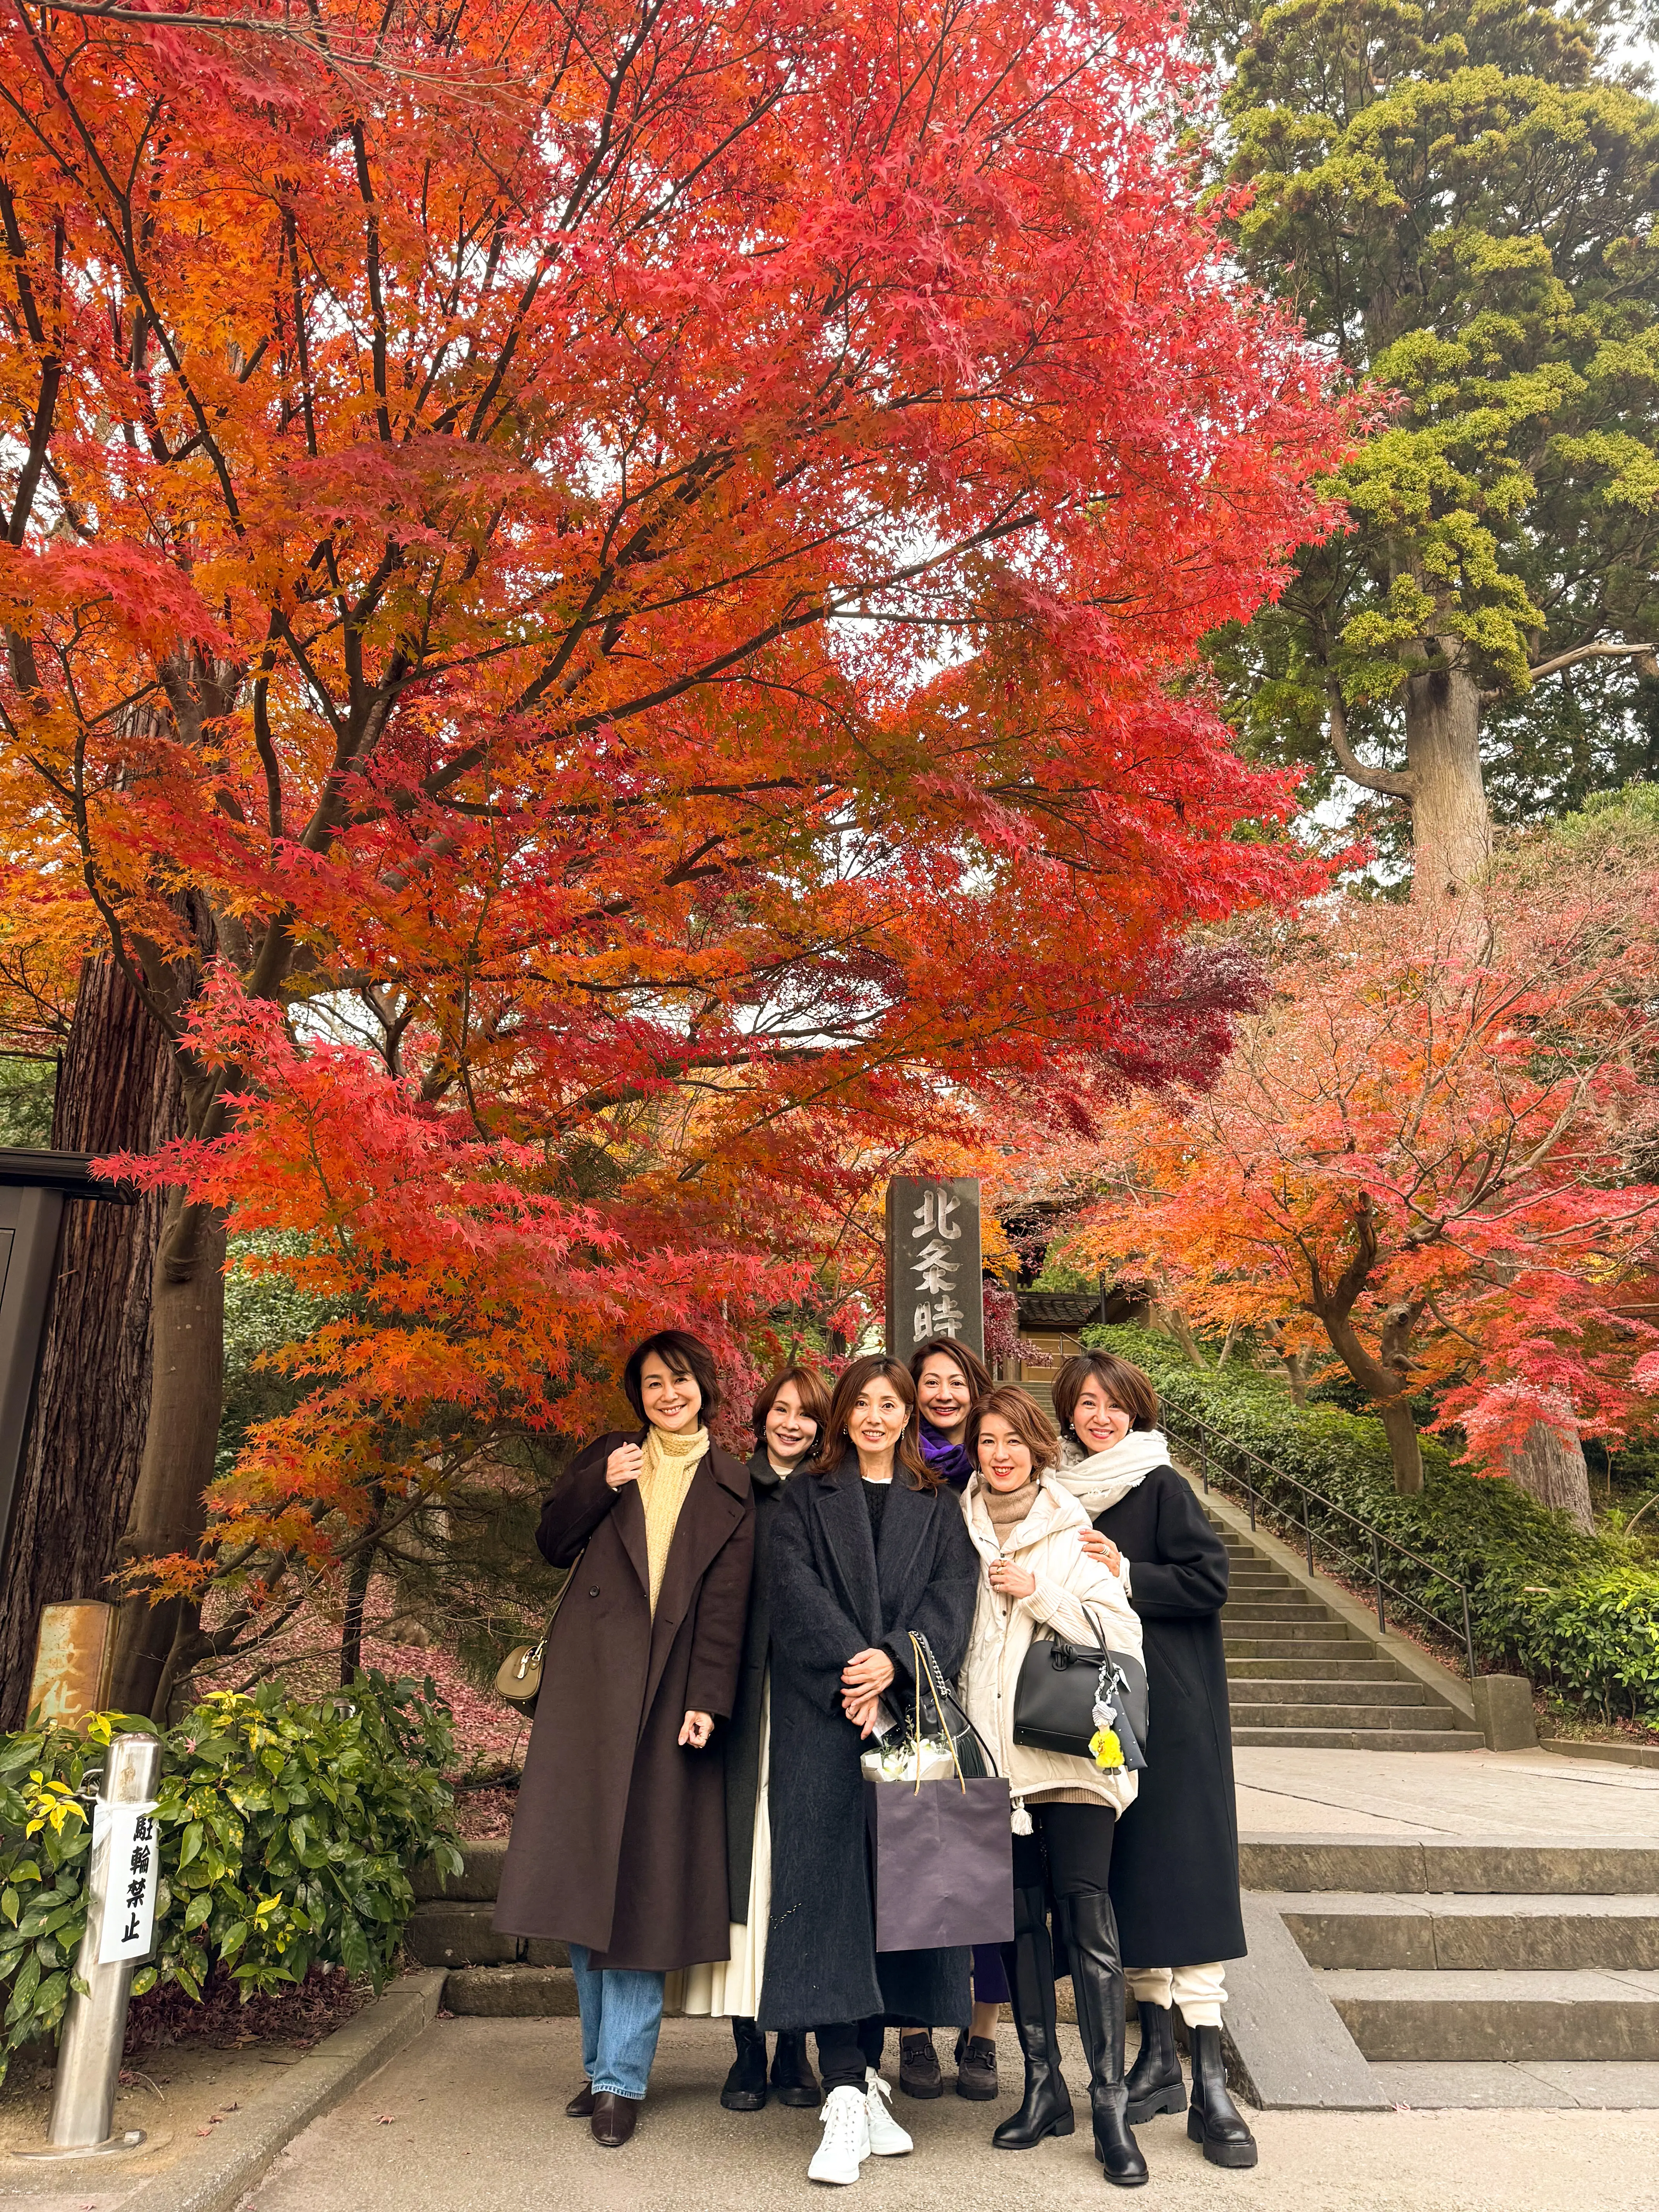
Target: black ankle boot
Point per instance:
(1029, 1965)
(1097, 1984)
(1214, 2120)
(791, 2072)
(1155, 2084)
(745, 2085)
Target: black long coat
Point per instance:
(742, 1737)
(834, 1594)
(619, 1838)
(1175, 1855)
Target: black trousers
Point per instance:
(1068, 1852)
(846, 2048)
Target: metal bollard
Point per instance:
(94, 2026)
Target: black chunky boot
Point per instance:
(1029, 1963)
(791, 2072)
(1155, 2085)
(1097, 1984)
(1214, 2120)
(745, 2085)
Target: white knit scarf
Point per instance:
(1099, 1481)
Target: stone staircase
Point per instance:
(1478, 1973)
(1300, 1674)
(502, 1976)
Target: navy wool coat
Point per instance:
(833, 1594)
(1175, 1855)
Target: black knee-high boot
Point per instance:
(1029, 1961)
(1214, 2120)
(1155, 2084)
(791, 2071)
(1097, 1984)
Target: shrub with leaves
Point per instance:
(287, 1832)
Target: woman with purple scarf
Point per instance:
(949, 1377)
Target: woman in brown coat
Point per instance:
(618, 1844)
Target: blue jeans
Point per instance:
(621, 2015)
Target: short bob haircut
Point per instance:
(834, 1442)
(681, 1354)
(1025, 1417)
(1126, 1386)
(974, 1371)
(814, 1399)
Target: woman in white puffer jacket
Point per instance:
(1038, 1580)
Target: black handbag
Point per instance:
(1060, 1686)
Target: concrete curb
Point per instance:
(1446, 1686)
(1289, 2048)
(1618, 1754)
(216, 2175)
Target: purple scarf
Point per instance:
(948, 1459)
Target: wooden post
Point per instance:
(935, 1285)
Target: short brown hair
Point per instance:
(1127, 1387)
(814, 1399)
(1025, 1417)
(975, 1373)
(833, 1440)
(681, 1354)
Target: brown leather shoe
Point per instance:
(580, 2106)
(614, 2119)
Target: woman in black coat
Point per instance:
(867, 1547)
(789, 1418)
(1175, 1873)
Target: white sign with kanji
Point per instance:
(127, 1834)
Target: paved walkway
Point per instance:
(469, 2118)
(1527, 1796)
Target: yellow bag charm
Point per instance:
(1105, 1749)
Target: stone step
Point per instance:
(1362, 1739)
(1297, 1866)
(460, 1934)
(512, 1992)
(1290, 1605)
(1273, 1640)
(1390, 1719)
(1475, 2018)
(1545, 2085)
(1316, 1690)
(481, 1872)
(1423, 1934)
(1351, 1665)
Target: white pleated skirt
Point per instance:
(730, 1988)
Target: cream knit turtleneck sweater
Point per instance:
(670, 1462)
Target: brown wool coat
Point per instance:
(619, 1840)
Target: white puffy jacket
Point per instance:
(1046, 1545)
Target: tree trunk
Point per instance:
(1404, 1448)
(117, 1091)
(1451, 824)
(1550, 1467)
(187, 1385)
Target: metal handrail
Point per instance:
(1373, 1572)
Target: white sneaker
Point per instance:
(887, 2138)
(846, 2142)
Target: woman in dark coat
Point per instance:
(789, 1416)
(1175, 1875)
(618, 1843)
(950, 1378)
(868, 1548)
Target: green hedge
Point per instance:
(1578, 1612)
(286, 1833)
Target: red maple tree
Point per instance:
(617, 574)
